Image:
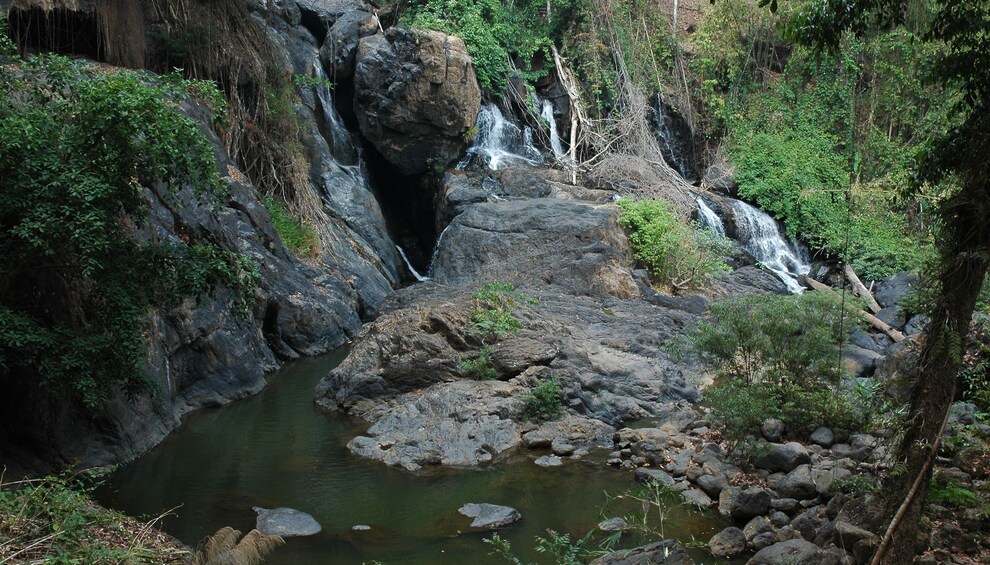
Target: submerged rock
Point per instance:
(285, 522)
(489, 516)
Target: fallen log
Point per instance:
(859, 289)
(877, 323)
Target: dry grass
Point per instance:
(48, 519)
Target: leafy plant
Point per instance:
(951, 493)
(493, 317)
(299, 237)
(78, 147)
(480, 367)
(544, 400)
(677, 254)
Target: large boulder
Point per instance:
(786, 552)
(740, 504)
(415, 95)
(784, 457)
(728, 544)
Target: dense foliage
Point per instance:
(778, 357)
(544, 400)
(677, 254)
(79, 144)
(824, 141)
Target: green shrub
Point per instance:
(544, 401)
(480, 367)
(300, 238)
(78, 146)
(774, 339)
(675, 253)
(777, 357)
(493, 317)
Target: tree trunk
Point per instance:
(964, 267)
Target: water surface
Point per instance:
(278, 449)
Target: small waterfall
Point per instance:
(546, 111)
(415, 273)
(670, 136)
(500, 142)
(436, 251)
(760, 236)
(709, 219)
(341, 141)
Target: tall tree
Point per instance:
(956, 162)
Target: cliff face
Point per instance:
(203, 353)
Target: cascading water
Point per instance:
(546, 111)
(670, 135)
(709, 219)
(499, 142)
(760, 236)
(415, 273)
(436, 250)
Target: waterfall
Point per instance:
(672, 145)
(415, 273)
(546, 111)
(436, 251)
(760, 236)
(709, 219)
(499, 142)
(341, 141)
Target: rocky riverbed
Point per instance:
(596, 326)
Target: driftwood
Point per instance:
(870, 318)
(859, 289)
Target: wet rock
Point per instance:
(285, 522)
(743, 504)
(489, 516)
(785, 553)
(549, 461)
(784, 457)
(415, 94)
(822, 436)
(666, 552)
(562, 449)
(728, 544)
(617, 524)
(360, 528)
(339, 49)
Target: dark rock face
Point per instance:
(203, 353)
(784, 457)
(285, 522)
(339, 49)
(790, 551)
(415, 94)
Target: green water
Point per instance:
(278, 449)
